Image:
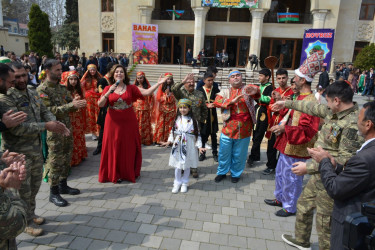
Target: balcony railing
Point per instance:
(158, 14)
(271, 17)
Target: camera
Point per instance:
(359, 228)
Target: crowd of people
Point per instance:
(65, 106)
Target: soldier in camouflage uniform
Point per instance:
(26, 139)
(12, 208)
(338, 136)
(57, 99)
(199, 108)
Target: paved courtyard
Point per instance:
(147, 215)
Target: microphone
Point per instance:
(116, 84)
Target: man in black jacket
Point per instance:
(324, 79)
(354, 183)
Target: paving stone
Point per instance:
(130, 226)
(264, 233)
(219, 239)
(62, 240)
(229, 211)
(80, 243)
(170, 244)
(189, 245)
(99, 244)
(147, 229)
(115, 236)
(211, 227)
(164, 231)
(98, 233)
(152, 241)
(144, 218)
(220, 218)
(237, 241)
(228, 229)
(182, 234)
(118, 246)
(200, 236)
(134, 238)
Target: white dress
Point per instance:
(184, 152)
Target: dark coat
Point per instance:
(324, 79)
(349, 186)
(207, 129)
(103, 111)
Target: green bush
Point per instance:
(366, 58)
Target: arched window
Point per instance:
(107, 5)
(301, 7)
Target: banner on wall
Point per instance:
(230, 3)
(318, 39)
(145, 43)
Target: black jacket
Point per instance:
(349, 186)
(207, 129)
(324, 79)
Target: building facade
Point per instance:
(106, 25)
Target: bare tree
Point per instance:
(55, 10)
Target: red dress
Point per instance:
(92, 110)
(121, 151)
(165, 112)
(143, 110)
(78, 120)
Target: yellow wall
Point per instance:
(12, 42)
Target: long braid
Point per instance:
(174, 123)
(195, 124)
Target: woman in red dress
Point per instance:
(78, 119)
(121, 152)
(164, 110)
(143, 109)
(89, 84)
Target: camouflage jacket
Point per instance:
(199, 108)
(58, 100)
(338, 135)
(12, 219)
(26, 136)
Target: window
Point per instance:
(26, 46)
(367, 10)
(107, 5)
(161, 6)
(108, 42)
(301, 7)
(15, 30)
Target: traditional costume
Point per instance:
(184, 153)
(275, 120)
(238, 120)
(121, 157)
(164, 111)
(78, 121)
(300, 133)
(263, 115)
(143, 109)
(89, 86)
(211, 126)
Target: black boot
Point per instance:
(65, 189)
(55, 197)
(97, 151)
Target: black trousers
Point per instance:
(213, 140)
(258, 134)
(271, 152)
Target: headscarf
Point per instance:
(184, 102)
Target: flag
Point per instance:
(177, 13)
(283, 17)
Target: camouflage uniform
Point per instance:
(57, 99)
(12, 219)
(26, 139)
(338, 137)
(199, 108)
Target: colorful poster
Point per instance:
(145, 43)
(230, 3)
(318, 39)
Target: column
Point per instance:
(145, 13)
(256, 31)
(1, 14)
(199, 28)
(319, 17)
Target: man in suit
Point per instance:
(189, 58)
(103, 61)
(354, 183)
(324, 79)
(369, 82)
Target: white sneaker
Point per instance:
(175, 188)
(184, 188)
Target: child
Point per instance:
(184, 137)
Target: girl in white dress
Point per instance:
(185, 140)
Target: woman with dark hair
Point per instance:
(89, 85)
(164, 110)
(121, 157)
(77, 119)
(143, 109)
